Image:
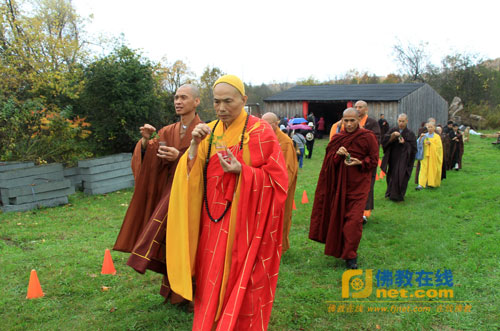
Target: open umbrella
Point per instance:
(300, 127)
(298, 120)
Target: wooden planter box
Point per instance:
(106, 174)
(29, 187)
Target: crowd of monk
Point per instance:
(212, 204)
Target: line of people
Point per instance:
(345, 183)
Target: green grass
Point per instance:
(455, 227)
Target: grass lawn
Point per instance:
(454, 227)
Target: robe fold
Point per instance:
(148, 251)
(398, 162)
(235, 261)
(371, 124)
(292, 166)
(151, 175)
(432, 162)
(341, 193)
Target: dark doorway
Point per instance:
(331, 111)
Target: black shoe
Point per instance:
(352, 263)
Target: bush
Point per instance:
(31, 132)
(120, 95)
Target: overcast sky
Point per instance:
(278, 41)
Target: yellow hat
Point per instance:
(233, 81)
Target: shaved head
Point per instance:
(402, 121)
(195, 92)
(350, 119)
(362, 107)
(403, 115)
(272, 119)
(351, 111)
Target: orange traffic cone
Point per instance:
(304, 197)
(382, 174)
(294, 207)
(34, 288)
(108, 268)
(376, 177)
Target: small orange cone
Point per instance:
(294, 207)
(382, 174)
(34, 288)
(376, 177)
(379, 162)
(304, 197)
(108, 268)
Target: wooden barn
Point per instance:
(418, 101)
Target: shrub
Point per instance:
(31, 132)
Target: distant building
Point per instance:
(418, 101)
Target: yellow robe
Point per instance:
(431, 164)
(292, 166)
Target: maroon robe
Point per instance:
(398, 162)
(372, 125)
(341, 193)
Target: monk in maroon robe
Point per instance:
(154, 163)
(400, 147)
(343, 186)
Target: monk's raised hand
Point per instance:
(200, 132)
(168, 153)
(395, 134)
(230, 163)
(147, 130)
(401, 140)
(342, 151)
(352, 162)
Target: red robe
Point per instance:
(237, 259)
(341, 193)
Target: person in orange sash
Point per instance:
(292, 167)
(226, 230)
(143, 229)
(342, 190)
(371, 124)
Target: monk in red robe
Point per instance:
(371, 124)
(343, 186)
(226, 230)
(153, 163)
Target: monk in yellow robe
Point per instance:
(226, 229)
(292, 166)
(432, 161)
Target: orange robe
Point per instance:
(153, 179)
(235, 261)
(292, 166)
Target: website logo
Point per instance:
(355, 286)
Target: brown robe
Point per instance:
(456, 150)
(292, 167)
(341, 193)
(143, 234)
(398, 162)
(445, 141)
(372, 125)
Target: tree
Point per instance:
(172, 76)
(41, 53)
(413, 60)
(120, 95)
(207, 81)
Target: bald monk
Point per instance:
(400, 147)
(143, 229)
(372, 125)
(229, 191)
(342, 190)
(292, 167)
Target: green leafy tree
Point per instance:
(207, 80)
(120, 95)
